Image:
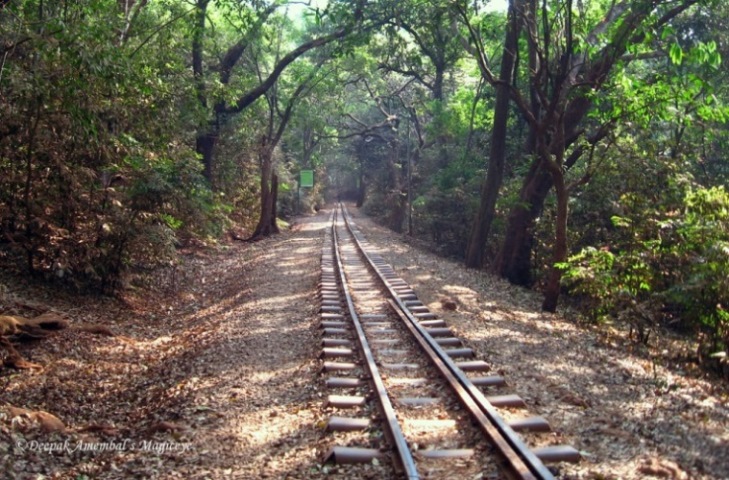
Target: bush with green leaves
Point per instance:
(675, 268)
(97, 169)
(698, 245)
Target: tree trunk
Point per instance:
(441, 139)
(514, 261)
(552, 290)
(274, 203)
(495, 174)
(362, 190)
(205, 146)
(439, 81)
(263, 229)
(552, 155)
(396, 219)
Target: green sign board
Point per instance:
(306, 178)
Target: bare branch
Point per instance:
(406, 73)
(131, 17)
(255, 93)
(478, 51)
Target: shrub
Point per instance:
(675, 268)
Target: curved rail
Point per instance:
(520, 460)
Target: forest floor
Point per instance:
(212, 372)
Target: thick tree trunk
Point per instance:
(439, 81)
(263, 228)
(552, 155)
(396, 220)
(487, 206)
(495, 174)
(514, 261)
(552, 290)
(441, 139)
(568, 109)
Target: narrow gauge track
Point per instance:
(418, 402)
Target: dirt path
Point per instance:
(216, 374)
(262, 390)
(220, 378)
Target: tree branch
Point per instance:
(236, 51)
(255, 93)
(406, 73)
(478, 51)
(130, 19)
(159, 29)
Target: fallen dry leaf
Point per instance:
(575, 400)
(662, 468)
(165, 426)
(95, 329)
(48, 422)
(49, 321)
(448, 304)
(99, 428)
(244, 344)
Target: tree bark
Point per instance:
(514, 261)
(274, 203)
(439, 81)
(552, 156)
(559, 254)
(397, 216)
(362, 190)
(263, 228)
(198, 37)
(495, 174)
(205, 146)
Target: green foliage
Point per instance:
(101, 112)
(97, 175)
(699, 244)
(676, 267)
(464, 112)
(444, 217)
(676, 53)
(590, 275)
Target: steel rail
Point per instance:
(520, 459)
(393, 426)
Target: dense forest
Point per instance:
(576, 147)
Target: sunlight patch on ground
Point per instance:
(315, 225)
(280, 301)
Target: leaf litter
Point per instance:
(213, 373)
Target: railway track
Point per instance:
(407, 398)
